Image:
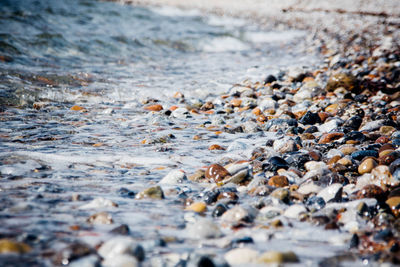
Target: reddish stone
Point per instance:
(372, 191)
(382, 140)
(329, 137)
(278, 181)
(216, 172)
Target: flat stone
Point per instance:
(174, 177)
(241, 256)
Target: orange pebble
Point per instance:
(155, 107)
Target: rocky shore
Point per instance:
(303, 167)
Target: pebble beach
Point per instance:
(290, 160)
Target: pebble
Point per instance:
(100, 218)
(156, 107)
(219, 210)
(285, 145)
(121, 261)
(71, 253)
(347, 81)
(115, 247)
(281, 193)
(315, 203)
(199, 207)
(359, 155)
(294, 211)
(154, 192)
(332, 193)
(394, 204)
(203, 228)
(216, 173)
(99, 203)
(278, 181)
(367, 165)
(276, 257)
(174, 177)
(372, 191)
(197, 176)
(242, 256)
(330, 137)
(10, 246)
(329, 126)
(275, 163)
(309, 188)
(238, 215)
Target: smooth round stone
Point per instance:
(372, 191)
(238, 215)
(387, 130)
(269, 212)
(285, 145)
(197, 176)
(100, 218)
(394, 204)
(315, 203)
(348, 149)
(121, 261)
(278, 181)
(281, 193)
(154, 192)
(359, 155)
(387, 159)
(294, 211)
(203, 228)
(241, 256)
(199, 207)
(353, 123)
(309, 188)
(372, 126)
(10, 246)
(367, 165)
(275, 163)
(121, 245)
(345, 161)
(219, 210)
(87, 261)
(174, 177)
(126, 193)
(347, 81)
(310, 118)
(216, 173)
(99, 203)
(383, 175)
(329, 126)
(123, 229)
(315, 165)
(277, 257)
(330, 137)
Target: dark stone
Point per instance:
(210, 196)
(331, 178)
(354, 241)
(320, 219)
(315, 203)
(394, 166)
(384, 235)
(275, 163)
(353, 123)
(359, 155)
(243, 240)
(311, 129)
(356, 136)
(361, 98)
(310, 118)
(123, 229)
(270, 79)
(219, 210)
(282, 123)
(126, 193)
(297, 159)
(72, 252)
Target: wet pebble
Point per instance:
(276, 257)
(71, 253)
(216, 173)
(203, 228)
(99, 203)
(10, 246)
(174, 177)
(285, 145)
(115, 247)
(241, 256)
(315, 203)
(278, 181)
(367, 165)
(359, 155)
(238, 215)
(198, 207)
(332, 193)
(153, 192)
(294, 211)
(100, 218)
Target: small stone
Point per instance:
(347, 81)
(72, 252)
(372, 126)
(100, 218)
(154, 192)
(241, 256)
(9, 246)
(294, 211)
(345, 161)
(309, 188)
(278, 181)
(199, 207)
(282, 194)
(174, 177)
(216, 173)
(238, 215)
(359, 155)
(126, 193)
(276, 163)
(285, 145)
(155, 107)
(332, 193)
(387, 130)
(367, 165)
(394, 204)
(387, 159)
(236, 102)
(348, 149)
(216, 147)
(372, 191)
(203, 228)
(99, 203)
(329, 137)
(123, 229)
(121, 245)
(219, 210)
(276, 257)
(197, 176)
(310, 118)
(121, 261)
(315, 203)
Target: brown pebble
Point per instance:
(329, 137)
(367, 165)
(394, 204)
(385, 147)
(197, 176)
(345, 161)
(278, 181)
(10, 246)
(347, 81)
(323, 116)
(155, 107)
(387, 159)
(228, 195)
(382, 140)
(348, 149)
(315, 155)
(334, 159)
(236, 102)
(216, 173)
(372, 191)
(216, 147)
(387, 130)
(198, 207)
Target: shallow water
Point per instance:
(109, 59)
